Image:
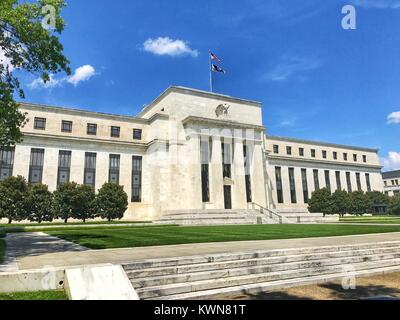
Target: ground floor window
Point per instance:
(279, 189)
(328, 180)
(90, 169)
(36, 166)
(338, 181)
(205, 168)
(6, 162)
(64, 167)
(247, 162)
(348, 178)
(368, 181)
(305, 185)
(358, 178)
(316, 179)
(113, 174)
(292, 186)
(137, 164)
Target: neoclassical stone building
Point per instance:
(187, 150)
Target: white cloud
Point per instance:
(377, 4)
(290, 67)
(39, 83)
(83, 73)
(392, 162)
(5, 61)
(394, 118)
(169, 47)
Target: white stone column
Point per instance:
(77, 166)
(216, 175)
(194, 166)
(102, 169)
(239, 199)
(257, 176)
(21, 161)
(125, 174)
(50, 168)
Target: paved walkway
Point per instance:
(36, 250)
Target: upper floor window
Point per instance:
(92, 129)
(364, 158)
(40, 124)
(276, 149)
(289, 151)
(301, 152)
(137, 134)
(345, 156)
(66, 126)
(355, 157)
(115, 132)
(324, 154)
(335, 155)
(313, 153)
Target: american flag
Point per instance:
(214, 57)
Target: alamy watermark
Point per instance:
(349, 21)
(49, 19)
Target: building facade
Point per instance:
(187, 150)
(391, 182)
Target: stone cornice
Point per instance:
(325, 162)
(221, 123)
(100, 115)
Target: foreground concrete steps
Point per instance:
(205, 276)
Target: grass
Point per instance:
(16, 225)
(169, 235)
(373, 219)
(40, 295)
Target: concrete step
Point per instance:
(248, 263)
(208, 222)
(243, 271)
(240, 256)
(190, 286)
(256, 288)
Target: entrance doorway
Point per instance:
(228, 197)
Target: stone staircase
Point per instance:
(305, 217)
(214, 217)
(226, 274)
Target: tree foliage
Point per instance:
(85, 203)
(394, 206)
(13, 199)
(40, 201)
(26, 45)
(65, 202)
(360, 203)
(320, 202)
(340, 202)
(112, 201)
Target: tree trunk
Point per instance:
(84, 220)
(66, 220)
(109, 219)
(9, 221)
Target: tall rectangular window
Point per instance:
(40, 123)
(324, 154)
(137, 164)
(6, 162)
(338, 181)
(313, 153)
(334, 155)
(36, 166)
(305, 185)
(289, 151)
(355, 157)
(358, 178)
(328, 180)
(368, 181)
(90, 169)
(247, 162)
(292, 183)
(316, 179)
(345, 156)
(227, 160)
(113, 174)
(205, 169)
(364, 158)
(276, 149)
(348, 179)
(279, 189)
(66, 126)
(64, 167)
(301, 152)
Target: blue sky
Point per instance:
(316, 80)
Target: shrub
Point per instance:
(13, 199)
(65, 201)
(111, 202)
(85, 203)
(320, 202)
(377, 198)
(340, 202)
(40, 204)
(394, 206)
(359, 203)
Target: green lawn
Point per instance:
(40, 295)
(373, 219)
(104, 238)
(16, 225)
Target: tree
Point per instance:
(111, 201)
(359, 203)
(40, 204)
(27, 43)
(13, 203)
(66, 201)
(320, 202)
(394, 206)
(377, 198)
(340, 202)
(86, 206)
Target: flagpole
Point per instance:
(210, 66)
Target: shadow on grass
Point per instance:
(361, 292)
